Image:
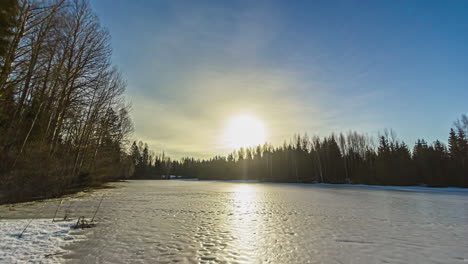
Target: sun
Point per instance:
(244, 131)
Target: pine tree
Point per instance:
(421, 158)
(463, 148)
(145, 160)
(453, 144)
(462, 143)
(457, 146)
(135, 153)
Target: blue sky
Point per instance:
(299, 66)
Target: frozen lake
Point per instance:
(221, 222)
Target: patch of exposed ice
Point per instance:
(42, 241)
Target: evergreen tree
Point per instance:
(453, 144)
(135, 153)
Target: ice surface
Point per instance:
(225, 222)
(218, 222)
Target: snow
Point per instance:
(183, 221)
(42, 241)
(226, 222)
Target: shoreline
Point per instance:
(106, 185)
(65, 194)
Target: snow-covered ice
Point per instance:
(227, 222)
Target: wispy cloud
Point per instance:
(207, 64)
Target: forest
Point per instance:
(64, 122)
(351, 158)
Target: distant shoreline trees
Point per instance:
(63, 119)
(344, 158)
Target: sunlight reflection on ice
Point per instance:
(244, 220)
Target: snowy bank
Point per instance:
(42, 241)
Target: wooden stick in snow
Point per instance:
(58, 207)
(92, 220)
(20, 235)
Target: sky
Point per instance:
(312, 67)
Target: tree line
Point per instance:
(63, 119)
(343, 158)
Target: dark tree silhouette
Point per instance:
(347, 158)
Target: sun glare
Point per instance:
(244, 131)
